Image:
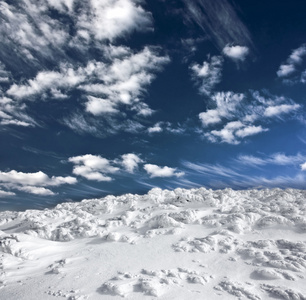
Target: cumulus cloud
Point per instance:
(236, 53)
(207, 75)
(292, 64)
(33, 183)
(93, 167)
(130, 162)
(157, 171)
(36, 190)
(34, 179)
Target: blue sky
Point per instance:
(120, 96)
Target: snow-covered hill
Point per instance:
(181, 244)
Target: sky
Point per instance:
(106, 97)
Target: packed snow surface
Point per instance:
(181, 244)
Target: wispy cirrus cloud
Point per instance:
(210, 169)
(219, 20)
(280, 159)
(249, 171)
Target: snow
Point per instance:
(181, 244)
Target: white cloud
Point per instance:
(98, 106)
(285, 70)
(36, 190)
(40, 39)
(292, 63)
(280, 159)
(34, 179)
(110, 19)
(251, 160)
(130, 162)
(66, 78)
(218, 20)
(33, 183)
(6, 194)
(156, 128)
(79, 123)
(33, 33)
(249, 130)
(143, 109)
(233, 131)
(120, 82)
(93, 167)
(226, 107)
(303, 166)
(30, 40)
(226, 134)
(236, 53)
(14, 113)
(208, 75)
(4, 74)
(241, 117)
(210, 169)
(167, 127)
(272, 111)
(62, 5)
(157, 171)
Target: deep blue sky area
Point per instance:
(106, 97)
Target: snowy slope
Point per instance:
(181, 244)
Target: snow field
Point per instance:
(181, 244)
